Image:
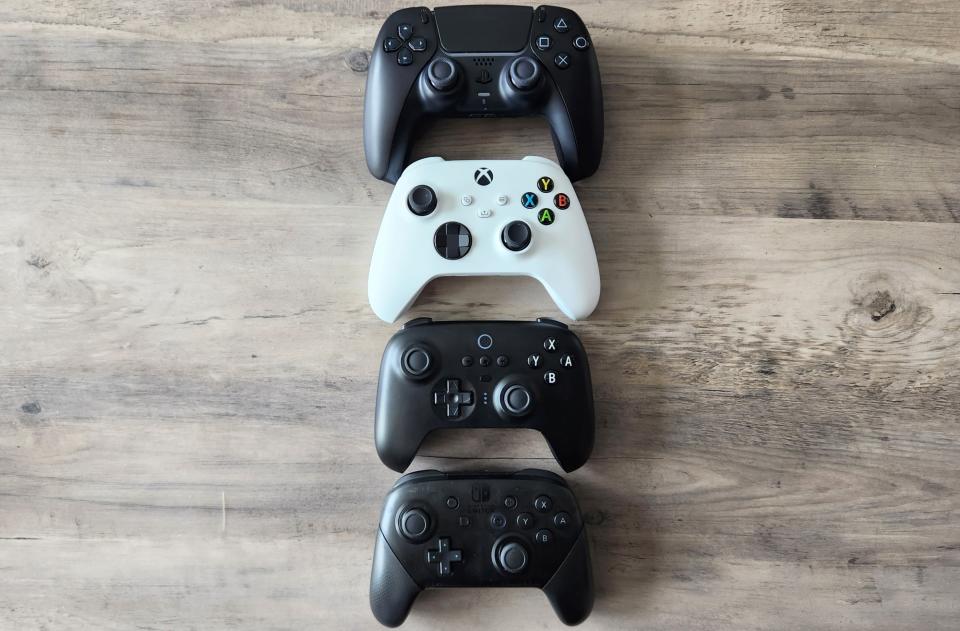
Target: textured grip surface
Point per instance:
(392, 591)
(570, 591)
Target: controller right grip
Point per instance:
(392, 591)
(570, 589)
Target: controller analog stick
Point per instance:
(414, 524)
(516, 236)
(416, 361)
(443, 74)
(517, 400)
(422, 200)
(524, 73)
(513, 557)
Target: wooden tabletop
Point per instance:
(188, 363)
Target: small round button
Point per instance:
(502, 200)
(452, 503)
(562, 60)
(533, 361)
(503, 360)
(466, 200)
(498, 521)
(510, 502)
(545, 184)
(561, 520)
(466, 361)
(414, 523)
(550, 345)
(524, 73)
(442, 74)
(561, 26)
(421, 200)
(517, 400)
(484, 341)
(516, 236)
(561, 201)
(543, 503)
(544, 536)
(513, 557)
(525, 521)
(546, 217)
(484, 361)
(452, 240)
(544, 42)
(416, 361)
(529, 200)
(566, 361)
(550, 377)
(581, 43)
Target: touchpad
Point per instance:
(483, 28)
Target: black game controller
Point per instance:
(483, 61)
(467, 530)
(441, 375)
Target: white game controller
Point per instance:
(484, 218)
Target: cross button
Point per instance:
(444, 557)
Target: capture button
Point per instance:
(546, 217)
(390, 44)
(561, 201)
(510, 502)
(545, 184)
(417, 44)
(562, 60)
(452, 240)
(404, 31)
(498, 521)
(405, 57)
(581, 43)
(529, 200)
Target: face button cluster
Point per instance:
(560, 36)
(545, 215)
(551, 346)
(405, 43)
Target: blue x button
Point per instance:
(529, 200)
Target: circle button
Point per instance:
(581, 43)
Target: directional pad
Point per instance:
(452, 240)
(453, 397)
(444, 557)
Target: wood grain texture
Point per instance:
(188, 362)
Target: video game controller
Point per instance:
(484, 218)
(462, 530)
(483, 61)
(445, 375)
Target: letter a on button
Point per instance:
(545, 217)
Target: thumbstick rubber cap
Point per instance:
(513, 558)
(416, 361)
(442, 73)
(524, 72)
(414, 523)
(516, 236)
(422, 200)
(517, 400)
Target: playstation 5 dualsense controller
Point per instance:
(484, 218)
(483, 61)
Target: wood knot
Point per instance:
(881, 306)
(357, 60)
(31, 407)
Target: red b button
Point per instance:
(561, 201)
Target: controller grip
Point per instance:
(577, 134)
(392, 591)
(570, 589)
(571, 443)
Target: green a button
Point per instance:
(546, 216)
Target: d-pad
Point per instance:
(443, 556)
(453, 397)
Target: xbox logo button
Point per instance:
(483, 176)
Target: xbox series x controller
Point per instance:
(462, 530)
(484, 218)
(483, 61)
(476, 374)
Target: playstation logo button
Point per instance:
(483, 176)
